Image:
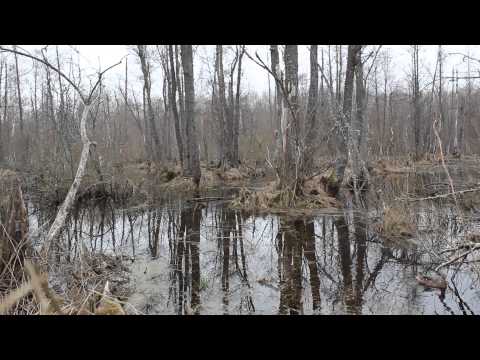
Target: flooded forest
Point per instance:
(240, 180)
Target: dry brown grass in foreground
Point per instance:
(34, 296)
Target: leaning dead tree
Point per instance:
(88, 146)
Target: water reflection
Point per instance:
(201, 257)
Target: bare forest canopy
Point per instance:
(39, 117)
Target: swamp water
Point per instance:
(200, 256)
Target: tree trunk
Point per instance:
(172, 79)
(344, 132)
(181, 98)
(312, 106)
(22, 148)
(192, 158)
(5, 108)
(226, 125)
(292, 155)
(2, 121)
(440, 97)
(362, 118)
(149, 113)
(236, 120)
(275, 60)
(72, 192)
(416, 104)
(231, 113)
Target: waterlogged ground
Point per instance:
(200, 256)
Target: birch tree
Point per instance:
(87, 100)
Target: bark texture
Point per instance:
(192, 156)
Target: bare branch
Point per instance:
(45, 62)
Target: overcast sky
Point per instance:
(92, 57)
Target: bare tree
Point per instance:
(275, 68)
(240, 51)
(416, 101)
(312, 106)
(23, 154)
(87, 100)
(361, 117)
(292, 152)
(226, 120)
(192, 155)
(343, 152)
(147, 86)
(172, 79)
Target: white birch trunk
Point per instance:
(70, 198)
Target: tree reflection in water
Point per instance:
(215, 260)
(186, 259)
(295, 240)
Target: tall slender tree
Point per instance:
(172, 79)
(416, 101)
(292, 152)
(149, 112)
(192, 157)
(312, 106)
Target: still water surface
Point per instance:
(200, 256)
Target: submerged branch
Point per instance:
(455, 259)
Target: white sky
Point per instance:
(255, 78)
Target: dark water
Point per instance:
(203, 257)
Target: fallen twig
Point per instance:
(438, 196)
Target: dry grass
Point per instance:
(386, 167)
(396, 224)
(179, 184)
(232, 174)
(149, 177)
(83, 294)
(263, 199)
(271, 197)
